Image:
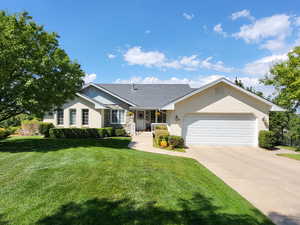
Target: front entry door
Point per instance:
(140, 120)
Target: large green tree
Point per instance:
(285, 77)
(36, 75)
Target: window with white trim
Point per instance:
(117, 116)
(72, 116)
(85, 116)
(60, 117)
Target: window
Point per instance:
(162, 117)
(85, 117)
(72, 116)
(60, 117)
(117, 116)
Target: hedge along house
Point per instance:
(219, 113)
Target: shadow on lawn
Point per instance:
(2, 221)
(284, 219)
(47, 144)
(197, 211)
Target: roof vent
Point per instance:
(133, 87)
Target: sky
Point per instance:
(170, 41)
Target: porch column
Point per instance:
(155, 116)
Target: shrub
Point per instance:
(109, 131)
(74, 133)
(44, 128)
(30, 127)
(13, 130)
(176, 142)
(163, 143)
(120, 132)
(81, 132)
(4, 133)
(266, 139)
(161, 132)
(102, 132)
(161, 127)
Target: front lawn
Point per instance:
(291, 156)
(93, 182)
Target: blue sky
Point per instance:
(170, 41)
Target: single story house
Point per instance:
(218, 113)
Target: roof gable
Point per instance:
(171, 105)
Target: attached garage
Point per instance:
(220, 129)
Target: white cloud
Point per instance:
(136, 56)
(297, 21)
(188, 16)
(263, 65)
(244, 13)
(147, 31)
(273, 45)
(111, 56)
(218, 66)
(198, 82)
(89, 78)
(276, 26)
(219, 29)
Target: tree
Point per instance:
(251, 89)
(36, 75)
(285, 77)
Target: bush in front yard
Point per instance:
(120, 132)
(80, 132)
(44, 128)
(110, 131)
(4, 133)
(30, 127)
(102, 132)
(266, 139)
(161, 127)
(159, 135)
(74, 133)
(175, 141)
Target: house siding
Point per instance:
(129, 121)
(220, 98)
(95, 115)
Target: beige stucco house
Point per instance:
(219, 113)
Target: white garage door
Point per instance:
(220, 129)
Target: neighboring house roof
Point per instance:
(98, 105)
(148, 96)
(170, 105)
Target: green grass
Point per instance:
(93, 182)
(291, 156)
(287, 147)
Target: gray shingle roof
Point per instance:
(148, 95)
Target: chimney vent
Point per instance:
(133, 87)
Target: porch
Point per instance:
(146, 120)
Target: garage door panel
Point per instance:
(220, 129)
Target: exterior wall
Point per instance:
(129, 120)
(95, 115)
(220, 98)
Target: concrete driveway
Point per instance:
(270, 182)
